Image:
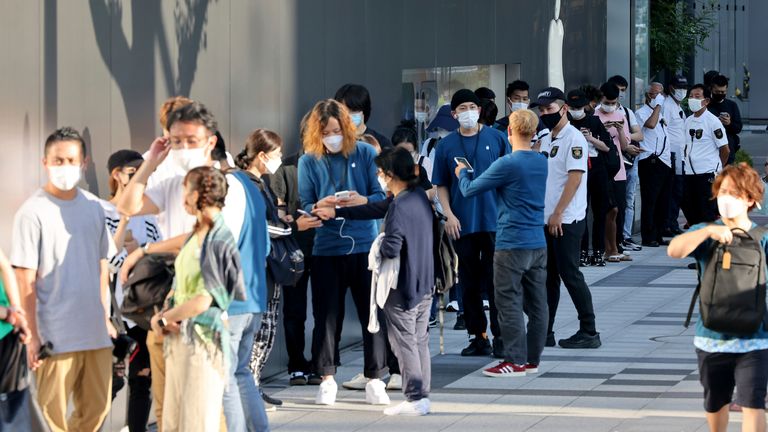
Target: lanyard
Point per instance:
(464, 148)
(342, 184)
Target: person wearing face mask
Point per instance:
(705, 154)
(675, 119)
(471, 221)
(166, 168)
(192, 128)
(358, 101)
(516, 99)
(598, 180)
(128, 235)
(565, 213)
(633, 149)
(337, 170)
(654, 167)
(727, 111)
(59, 249)
(726, 360)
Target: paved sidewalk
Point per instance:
(643, 378)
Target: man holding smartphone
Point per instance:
(728, 112)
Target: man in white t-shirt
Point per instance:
(654, 167)
(675, 118)
(706, 152)
(189, 145)
(635, 136)
(565, 211)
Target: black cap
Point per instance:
(576, 99)
(464, 96)
(124, 158)
(547, 96)
(485, 93)
(679, 82)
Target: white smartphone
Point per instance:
(463, 160)
(341, 195)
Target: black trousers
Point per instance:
(655, 178)
(619, 194)
(331, 276)
(675, 196)
(294, 317)
(598, 188)
(475, 253)
(698, 205)
(139, 397)
(563, 264)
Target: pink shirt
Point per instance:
(616, 116)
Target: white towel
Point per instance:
(384, 278)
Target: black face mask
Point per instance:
(551, 120)
(717, 98)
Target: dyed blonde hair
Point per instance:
(318, 120)
(523, 122)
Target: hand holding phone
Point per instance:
(465, 162)
(342, 195)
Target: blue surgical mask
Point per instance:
(357, 119)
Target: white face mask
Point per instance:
(421, 116)
(65, 177)
(517, 106)
(273, 164)
(357, 119)
(468, 119)
(333, 143)
(731, 207)
(695, 104)
(187, 159)
(608, 108)
(577, 114)
(680, 94)
(382, 183)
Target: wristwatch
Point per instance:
(145, 248)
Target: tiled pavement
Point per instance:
(643, 378)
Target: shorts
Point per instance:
(719, 373)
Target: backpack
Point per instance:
(629, 160)
(732, 288)
(285, 261)
(611, 159)
(445, 258)
(149, 283)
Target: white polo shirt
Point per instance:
(567, 152)
(655, 141)
(675, 118)
(704, 137)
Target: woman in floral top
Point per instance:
(208, 277)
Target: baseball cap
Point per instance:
(124, 158)
(547, 96)
(679, 82)
(576, 99)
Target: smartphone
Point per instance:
(341, 195)
(463, 160)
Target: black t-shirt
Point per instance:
(733, 129)
(384, 142)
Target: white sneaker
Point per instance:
(326, 394)
(395, 382)
(452, 306)
(486, 305)
(376, 392)
(416, 408)
(356, 383)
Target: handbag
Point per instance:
(149, 283)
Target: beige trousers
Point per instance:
(157, 368)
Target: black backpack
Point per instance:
(732, 288)
(446, 260)
(285, 261)
(149, 283)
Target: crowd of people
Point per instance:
(527, 199)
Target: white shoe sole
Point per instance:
(504, 375)
(531, 370)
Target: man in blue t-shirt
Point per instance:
(471, 221)
(520, 262)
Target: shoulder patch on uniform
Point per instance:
(576, 152)
(699, 133)
(553, 151)
(719, 133)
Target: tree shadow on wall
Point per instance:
(132, 64)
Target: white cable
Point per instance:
(343, 221)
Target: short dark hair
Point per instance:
(64, 134)
(705, 89)
(356, 98)
(219, 152)
(610, 90)
(593, 93)
(405, 133)
(517, 85)
(720, 81)
(708, 77)
(397, 162)
(488, 112)
(194, 112)
(619, 81)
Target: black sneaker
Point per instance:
(478, 346)
(459, 323)
(498, 348)
(597, 260)
(314, 379)
(584, 259)
(550, 342)
(629, 244)
(432, 322)
(581, 340)
(297, 379)
(269, 399)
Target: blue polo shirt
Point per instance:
(477, 213)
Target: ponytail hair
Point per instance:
(260, 140)
(211, 186)
(398, 163)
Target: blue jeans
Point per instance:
(629, 213)
(243, 406)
